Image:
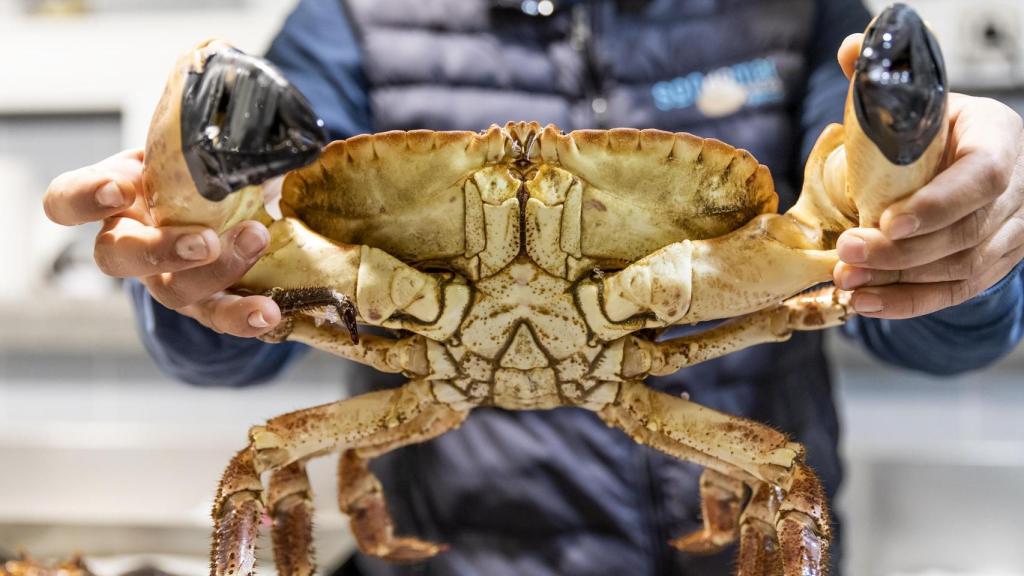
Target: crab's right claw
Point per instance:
(896, 115)
(899, 93)
(227, 122)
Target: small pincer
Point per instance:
(243, 123)
(899, 86)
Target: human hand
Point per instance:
(185, 268)
(957, 236)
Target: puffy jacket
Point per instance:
(558, 492)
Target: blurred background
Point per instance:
(100, 453)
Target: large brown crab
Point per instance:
(528, 269)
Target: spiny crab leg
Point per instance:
(721, 503)
(743, 450)
(759, 553)
(361, 497)
(291, 508)
(891, 144)
(814, 310)
(362, 427)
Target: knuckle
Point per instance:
(975, 263)
(226, 271)
(214, 323)
(171, 295)
(992, 173)
(971, 230)
(958, 292)
(918, 304)
(103, 254)
(50, 208)
(958, 267)
(1016, 229)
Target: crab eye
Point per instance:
(900, 85)
(242, 123)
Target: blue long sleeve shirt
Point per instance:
(318, 52)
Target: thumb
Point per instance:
(849, 52)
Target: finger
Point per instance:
(986, 137)
(848, 53)
(963, 265)
(901, 301)
(126, 247)
(241, 247)
(870, 248)
(243, 316)
(95, 192)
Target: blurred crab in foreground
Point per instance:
(528, 269)
(25, 565)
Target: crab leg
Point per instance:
(310, 272)
(361, 497)
(721, 500)
(291, 509)
(366, 425)
(817, 310)
(405, 355)
(237, 511)
(759, 547)
(742, 449)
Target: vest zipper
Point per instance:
(582, 41)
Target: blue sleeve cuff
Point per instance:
(966, 337)
(317, 51)
(187, 350)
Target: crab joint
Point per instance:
(659, 283)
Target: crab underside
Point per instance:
(528, 269)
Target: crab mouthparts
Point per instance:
(900, 85)
(242, 123)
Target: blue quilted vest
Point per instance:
(538, 493)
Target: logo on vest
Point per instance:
(724, 91)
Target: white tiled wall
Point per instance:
(983, 40)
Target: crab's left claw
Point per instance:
(227, 122)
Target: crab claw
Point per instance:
(243, 123)
(896, 120)
(899, 92)
(227, 123)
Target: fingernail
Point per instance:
(109, 196)
(192, 247)
(902, 226)
(854, 278)
(866, 302)
(256, 320)
(251, 241)
(852, 250)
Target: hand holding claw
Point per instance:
(185, 268)
(957, 236)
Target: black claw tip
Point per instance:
(242, 123)
(900, 85)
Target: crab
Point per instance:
(525, 268)
(25, 565)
